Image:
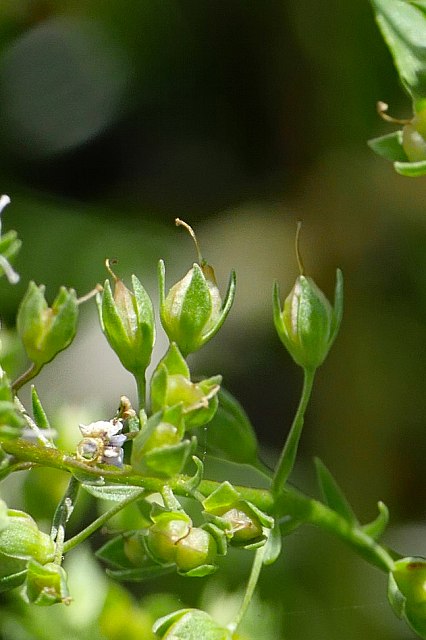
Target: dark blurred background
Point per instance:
(241, 118)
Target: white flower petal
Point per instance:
(101, 428)
(4, 201)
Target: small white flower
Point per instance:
(113, 456)
(101, 429)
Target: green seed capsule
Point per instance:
(163, 537)
(195, 549)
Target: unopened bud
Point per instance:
(127, 319)
(192, 312)
(308, 324)
(44, 330)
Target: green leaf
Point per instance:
(193, 482)
(46, 584)
(39, 413)
(190, 624)
(175, 363)
(223, 496)
(196, 308)
(12, 581)
(226, 307)
(218, 533)
(403, 26)
(376, 528)
(273, 545)
(167, 461)
(230, 433)
(389, 147)
(113, 492)
(411, 169)
(141, 573)
(159, 387)
(199, 572)
(333, 495)
(125, 551)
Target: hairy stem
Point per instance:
(288, 455)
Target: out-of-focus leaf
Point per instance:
(230, 433)
(190, 624)
(140, 574)
(124, 552)
(12, 581)
(411, 169)
(403, 26)
(376, 528)
(389, 147)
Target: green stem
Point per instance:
(99, 522)
(25, 377)
(141, 387)
(251, 586)
(302, 508)
(289, 502)
(288, 455)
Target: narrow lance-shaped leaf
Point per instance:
(332, 494)
(40, 417)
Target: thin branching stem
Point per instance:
(288, 455)
(32, 371)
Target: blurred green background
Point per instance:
(241, 118)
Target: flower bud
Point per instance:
(192, 312)
(45, 331)
(407, 592)
(127, 319)
(102, 442)
(308, 324)
(22, 539)
(46, 584)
